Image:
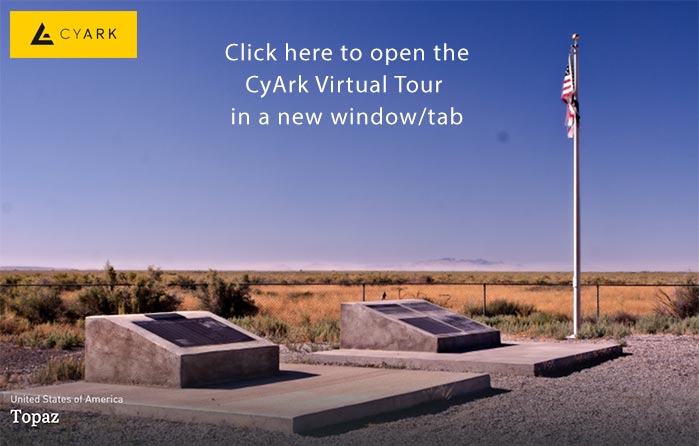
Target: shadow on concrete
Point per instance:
(284, 375)
(423, 409)
(561, 371)
(480, 347)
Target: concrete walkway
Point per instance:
(301, 398)
(525, 358)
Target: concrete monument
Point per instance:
(182, 349)
(411, 325)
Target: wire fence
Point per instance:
(553, 297)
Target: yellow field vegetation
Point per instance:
(315, 295)
(292, 304)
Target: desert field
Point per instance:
(295, 303)
(309, 296)
(315, 295)
(44, 311)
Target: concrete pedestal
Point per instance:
(411, 325)
(183, 349)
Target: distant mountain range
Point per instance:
(455, 264)
(441, 264)
(452, 262)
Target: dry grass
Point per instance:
(60, 336)
(312, 299)
(188, 301)
(306, 308)
(357, 277)
(59, 370)
(323, 301)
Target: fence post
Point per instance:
(363, 291)
(598, 303)
(484, 298)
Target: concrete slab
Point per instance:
(525, 358)
(301, 398)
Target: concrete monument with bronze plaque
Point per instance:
(182, 349)
(411, 325)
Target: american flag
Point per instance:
(569, 96)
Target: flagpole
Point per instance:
(576, 197)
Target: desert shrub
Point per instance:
(38, 304)
(621, 317)
(149, 295)
(506, 307)
(67, 282)
(653, 324)
(11, 324)
(227, 299)
(8, 293)
(686, 326)
(183, 281)
(323, 330)
(472, 310)
(500, 307)
(94, 300)
(247, 278)
(110, 298)
(64, 369)
(555, 329)
(60, 336)
(533, 327)
(588, 331)
(558, 326)
(539, 317)
(588, 318)
(266, 326)
(682, 303)
(4, 300)
(300, 294)
(608, 329)
(384, 279)
(542, 280)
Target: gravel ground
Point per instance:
(648, 397)
(17, 364)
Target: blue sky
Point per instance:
(135, 161)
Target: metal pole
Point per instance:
(363, 292)
(598, 303)
(484, 299)
(576, 196)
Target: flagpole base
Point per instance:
(573, 336)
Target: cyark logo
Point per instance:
(37, 40)
(73, 34)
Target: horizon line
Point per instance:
(37, 268)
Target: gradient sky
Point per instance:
(135, 161)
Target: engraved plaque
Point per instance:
(460, 322)
(392, 309)
(430, 325)
(193, 332)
